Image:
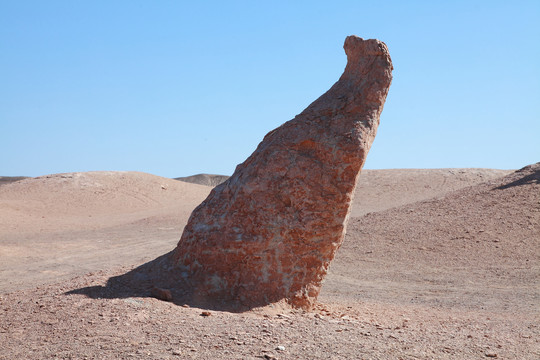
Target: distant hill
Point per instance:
(9, 179)
(93, 200)
(204, 179)
(379, 190)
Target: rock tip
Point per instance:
(357, 46)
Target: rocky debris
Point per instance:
(47, 323)
(270, 231)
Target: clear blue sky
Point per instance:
(176, 88)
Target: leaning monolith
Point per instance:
(270, 231)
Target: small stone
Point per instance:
(206, 313)
(176, 352)
(161, 294)
(280, 348)
(491, 354)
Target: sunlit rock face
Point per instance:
(271, 230)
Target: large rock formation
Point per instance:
(270, 231)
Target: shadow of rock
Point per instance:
(528, 175)
(159, 273)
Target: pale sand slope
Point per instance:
(379, 190)
(450, 278)
(92, 200)
(66, 224)
(53, 227)
(478, 246)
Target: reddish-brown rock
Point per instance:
(270, 231)
(161, 294)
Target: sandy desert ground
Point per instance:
(436, 264)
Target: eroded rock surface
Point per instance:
(270, 231)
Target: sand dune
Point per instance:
(379, 190)
(57, 226)
(91, 200)
(475, 246)
(436, 264)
